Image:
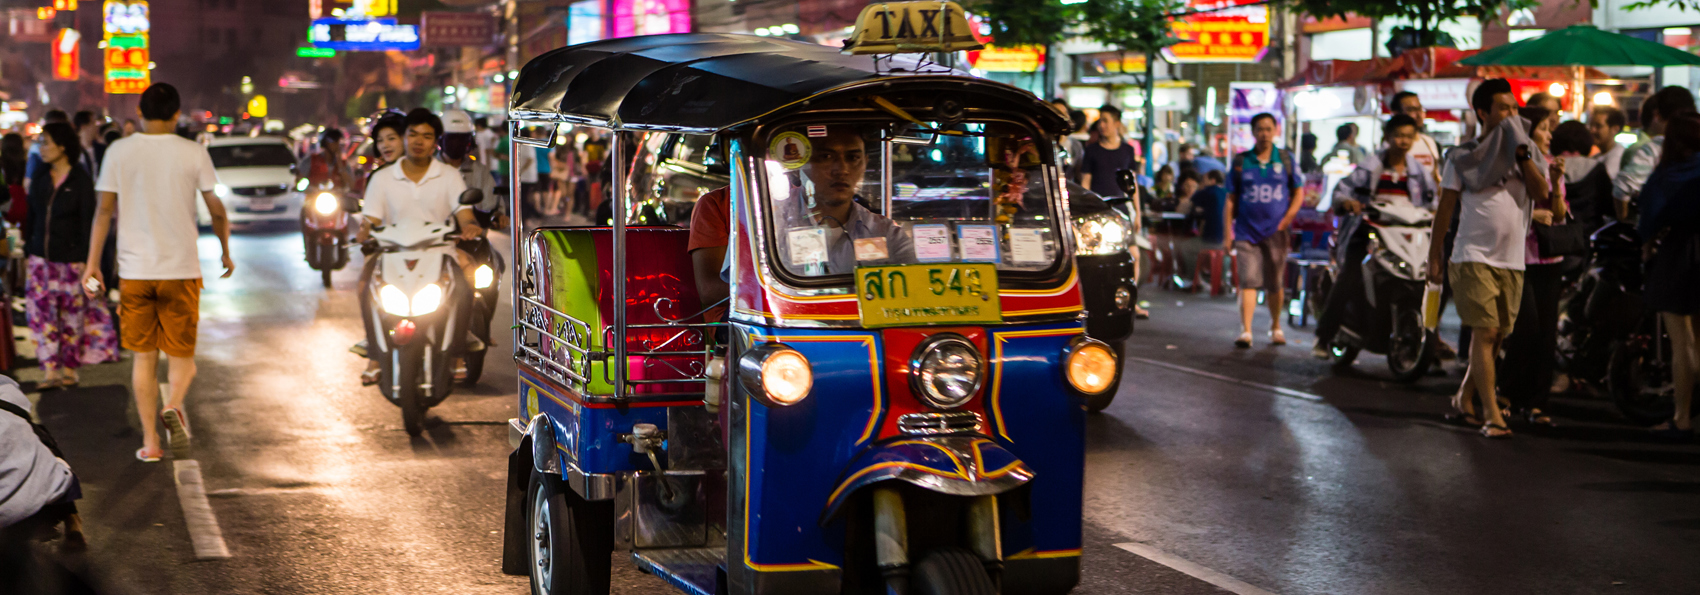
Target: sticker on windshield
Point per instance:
(1027, 244)
(868, 249)
(808, 246)
(790, 149)
(932, 242)
(979, 242)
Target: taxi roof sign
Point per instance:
(911, 27)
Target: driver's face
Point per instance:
(836, 167)
(421, 141)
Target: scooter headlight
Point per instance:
(326, 203)
(775, 374)
(946, 371)
(221, 190)
(394, 301)
(1090, 366)
(427, 300)
(483, 276)
(1102, 234)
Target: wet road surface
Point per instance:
(1332, 485)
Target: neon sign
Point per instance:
(372, 35)
(67, 63)
(127, 57)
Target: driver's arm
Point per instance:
(705, 264)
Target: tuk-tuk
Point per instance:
(892, 398)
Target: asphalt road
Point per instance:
(1202, 466)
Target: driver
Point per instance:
(826, 229)
(1393, 176)
(327, 165)
(458, 146)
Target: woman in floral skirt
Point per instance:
(70, 330)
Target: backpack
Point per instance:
(40, 430)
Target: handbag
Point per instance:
(1564, 239)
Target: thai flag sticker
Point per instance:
(816, 131)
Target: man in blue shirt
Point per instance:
(1264, 194)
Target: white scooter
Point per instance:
(1389, 318)
(419, 311)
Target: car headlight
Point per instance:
(1090, 366)
(221, 190)
(394, 301)
(775, 374)
(301, 185)
(427, 300)
(946, 371)
(483, 276)
(326, 203)
(1101, 234)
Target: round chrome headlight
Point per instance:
(1101, 234)
(946, 371)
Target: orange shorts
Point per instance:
(159, 315)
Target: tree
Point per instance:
(1026, 22)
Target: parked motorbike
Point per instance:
(1607, 342)
(1388, 318)
(421, 308)
(325, 228)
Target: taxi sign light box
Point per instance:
(911, 27)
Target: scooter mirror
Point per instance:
(472, 196)
(1128, 182)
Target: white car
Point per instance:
(256, 180)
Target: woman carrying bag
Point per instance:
(1534, 338)
(70, 330)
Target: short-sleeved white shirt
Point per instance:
(1493, 224)
(1427, 152)
(158, 178)
(392, 197)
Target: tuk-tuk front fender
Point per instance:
(953, 465)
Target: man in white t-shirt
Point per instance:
(152, 179)
(1604, 124)
(1495, 179)
(1425, 150)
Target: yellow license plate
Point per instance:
(928, 294)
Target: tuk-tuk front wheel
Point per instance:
(951, 571)
(571, 540)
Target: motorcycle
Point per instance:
(1607, 342)
(486, 289)
(325, 226)
(421, 308)
(1388, 319)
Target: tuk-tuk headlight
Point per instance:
(775, 374)
(1101, 234)
(946, 371)
(394, 301)
(326, 203)
(483, 276)
(1090, 366)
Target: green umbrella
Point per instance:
(1583, 45)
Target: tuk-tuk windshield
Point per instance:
(966, 192)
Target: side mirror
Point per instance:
(1128, 182)
(471, 197)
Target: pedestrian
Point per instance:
(88, 133)
(1587, 185)
(1265, 192)
(547, 202)
(1204, 216)
(1392, 176)
(40, 490)
(1346, 146)
(1640, 158)
(1534, 337)
(564, 170)
(1426, 150)
(70, 329)
(13, 157)
(531, 201)
(1605, 123)
(152, 179)
(130, 127)
(1494, 181)
(1670, 221)
(34, 161)
(1107, 152)
(1163, 189)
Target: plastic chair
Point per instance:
(1210, 266)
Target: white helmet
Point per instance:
(457, 121)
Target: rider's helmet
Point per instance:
(459, 137)
(330, 135)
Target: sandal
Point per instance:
(1244, 342)
(1495, 431)
(1536, 417)
(148, 458)
(369, 377)
(1277, 338)
(176, 432)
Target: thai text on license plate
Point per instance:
(928, 294)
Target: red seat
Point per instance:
(1210, 263)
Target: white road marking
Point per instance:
(1282, 391)
(1228, 583)
(197, 512)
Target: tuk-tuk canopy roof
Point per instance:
(700, 82)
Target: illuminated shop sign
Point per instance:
(651, 17)
(127, 58)
(363, 35)
(1230, 34)
(67, 63)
